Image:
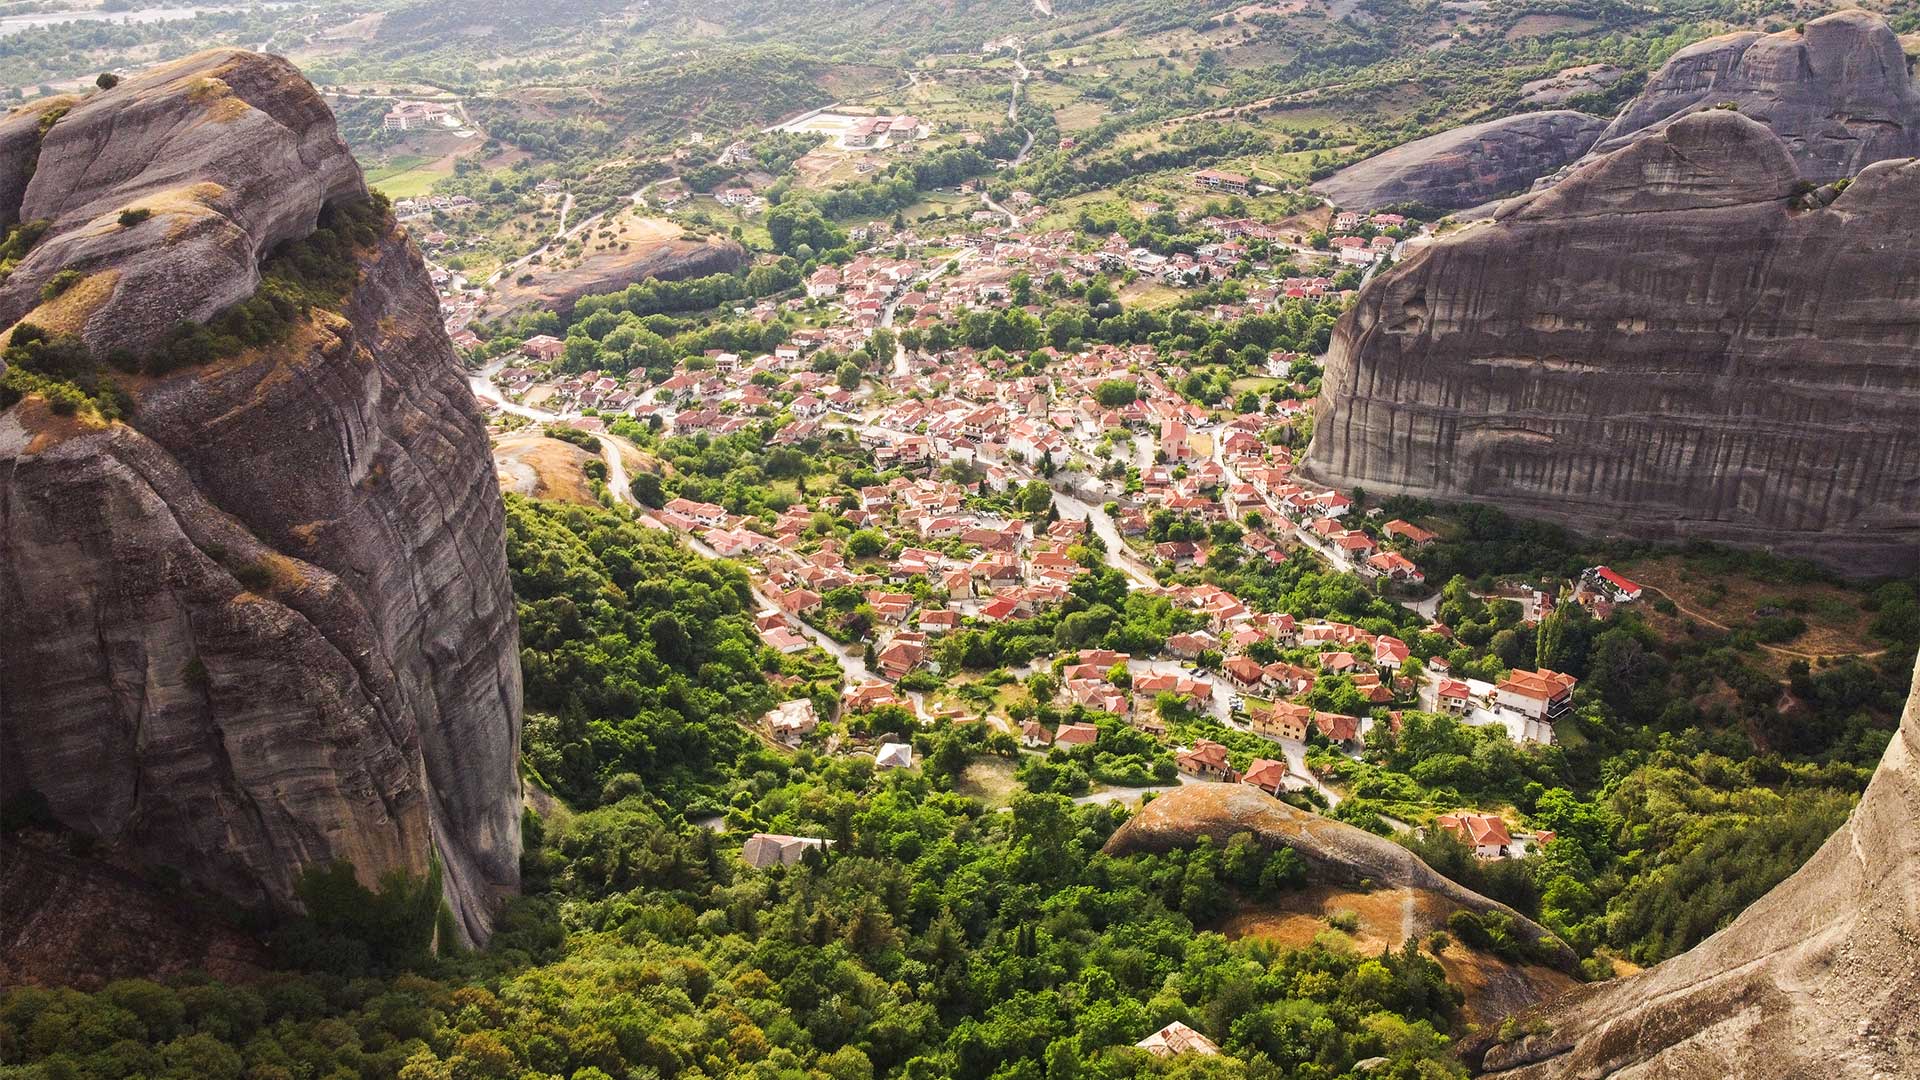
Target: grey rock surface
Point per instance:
(1667, 345)
(267, 621)
(1838, 94)
(1467, 165)
(1819, 978)
(232, 152)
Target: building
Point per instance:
(1285, 720)
(1177, 1038)
(893, 755)
(791, 721)
(1267, 774)
(1229, 182)
(769, 849)
(414, 115)
(1075, 735)
(1207, 760)
(1611, 585)
(1486, 834)
(1034, 734)
(1537, 695)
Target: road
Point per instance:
(900, 366)
(851, 660)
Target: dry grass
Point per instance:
(1836, 625)
(68, 313)
(544, 468)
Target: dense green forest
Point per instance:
(936, 937)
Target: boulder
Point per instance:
(1671, 344)
(1838, 93)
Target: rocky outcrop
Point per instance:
(1838, 93)
(231, 154)
(1670, 344)
(610, 269)
(1468, 165)
(1334, 851)
(266, 621)
(1820, 977)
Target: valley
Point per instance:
(830, 539)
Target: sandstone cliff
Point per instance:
(1468, 165)
(1333, 850)
(266, 621)
(1820, 977)
(1838, 93)
(1669, 344)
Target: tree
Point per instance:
(107, 80)
(847, 376)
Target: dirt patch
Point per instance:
(989, 780)
(1382, 916)
(1836, 624)
(543, 468)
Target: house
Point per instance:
(893, 755)
(1486, 834)
(1245, 672)
(769, 849)
(1207, 760)
(1537, 695)
(791, 721)
(1339, 728)
(1075, 735)
(1034, 734)
(1395, 567)
(543, 347)
(1389, 653)
(1267, 774)
(784, 641)
(1406, 530)
(1454, 696)
(1177, 1038)
(900, 657)
(1284, 720)
(1611, 585)
(866, 697)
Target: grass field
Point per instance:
(406, 177)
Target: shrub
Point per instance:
(59, 283)
(133, 216)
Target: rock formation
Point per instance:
(1838, 93)
(1333, 850)
(1820, 977)
(1468, 165)
(1669, 344)
(265, 621)
(668, 258)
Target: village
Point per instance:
(1150, 486)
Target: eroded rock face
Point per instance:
(1838, 94)
(1333, 850)
(1665, 346)
(1820, 977)
(1468, 165)
(267, 622)
(232, 152)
